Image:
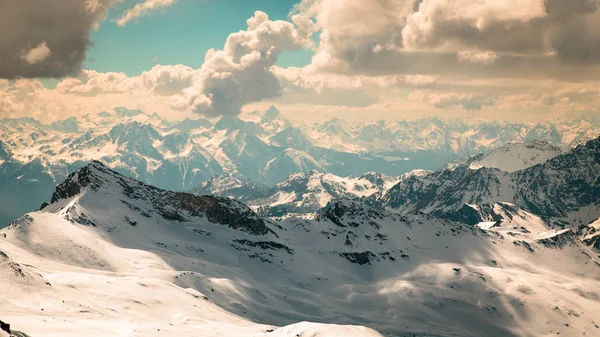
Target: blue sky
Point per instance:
(179, 34)
(370, 59)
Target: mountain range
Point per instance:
(264, 147)
(111, 255)
(564, 190)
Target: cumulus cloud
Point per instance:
(53, 47)
(238, 74)
(241, 72)
(520, 38)
(468, 102)
(37, 54)
(161, 79)
(18, 96)
(141, 9)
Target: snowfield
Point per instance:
(111, 256)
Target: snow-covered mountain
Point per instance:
(564, 190)
(174, 155)
(110, 256)
(517, 156)
(264, 147)
(232, 186)
(301, 194)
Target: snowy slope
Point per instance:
(517, 156)
(112, 256)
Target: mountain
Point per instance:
(517, 156)
(303, 194)
(175, 263)
(300, 194)
(265, 147)
(232, 186)
(563, 190)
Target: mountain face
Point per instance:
(564, 190)
(232, 186)
(301, 194)
(517, 156)
(181, 264)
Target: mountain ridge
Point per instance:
(103, 232)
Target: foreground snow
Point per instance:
(113, 257)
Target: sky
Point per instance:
(518, 60)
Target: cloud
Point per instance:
(46, 38)
(161, 79)
(18, 96)
(240, 73)
(142, 9)
(472, 56)
(37, 54)
(468, 102)
(468, 38)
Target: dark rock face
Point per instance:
(266, 245)
(484, 212)
(349, 213)
(5, 327)
(360, 258)
(558, 240)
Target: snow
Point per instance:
(486, 225)
(517, 156)
(198, 278)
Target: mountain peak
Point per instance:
(96, 182)
(93, 174)
(349, 213)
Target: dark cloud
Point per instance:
(557, 39)
(46, 38)
(565, 10)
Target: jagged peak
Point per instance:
(344, 212)
(172, 206)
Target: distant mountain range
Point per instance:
(264, 147)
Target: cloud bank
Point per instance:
(55, 45)
(515, 59)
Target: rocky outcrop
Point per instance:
(349, 213)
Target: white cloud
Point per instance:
(473, 56)
(240, 73)
(141, 9)
(37, 54)
(476, 38)
(393, 58)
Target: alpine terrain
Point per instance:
(263, 147)
(110, 255)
